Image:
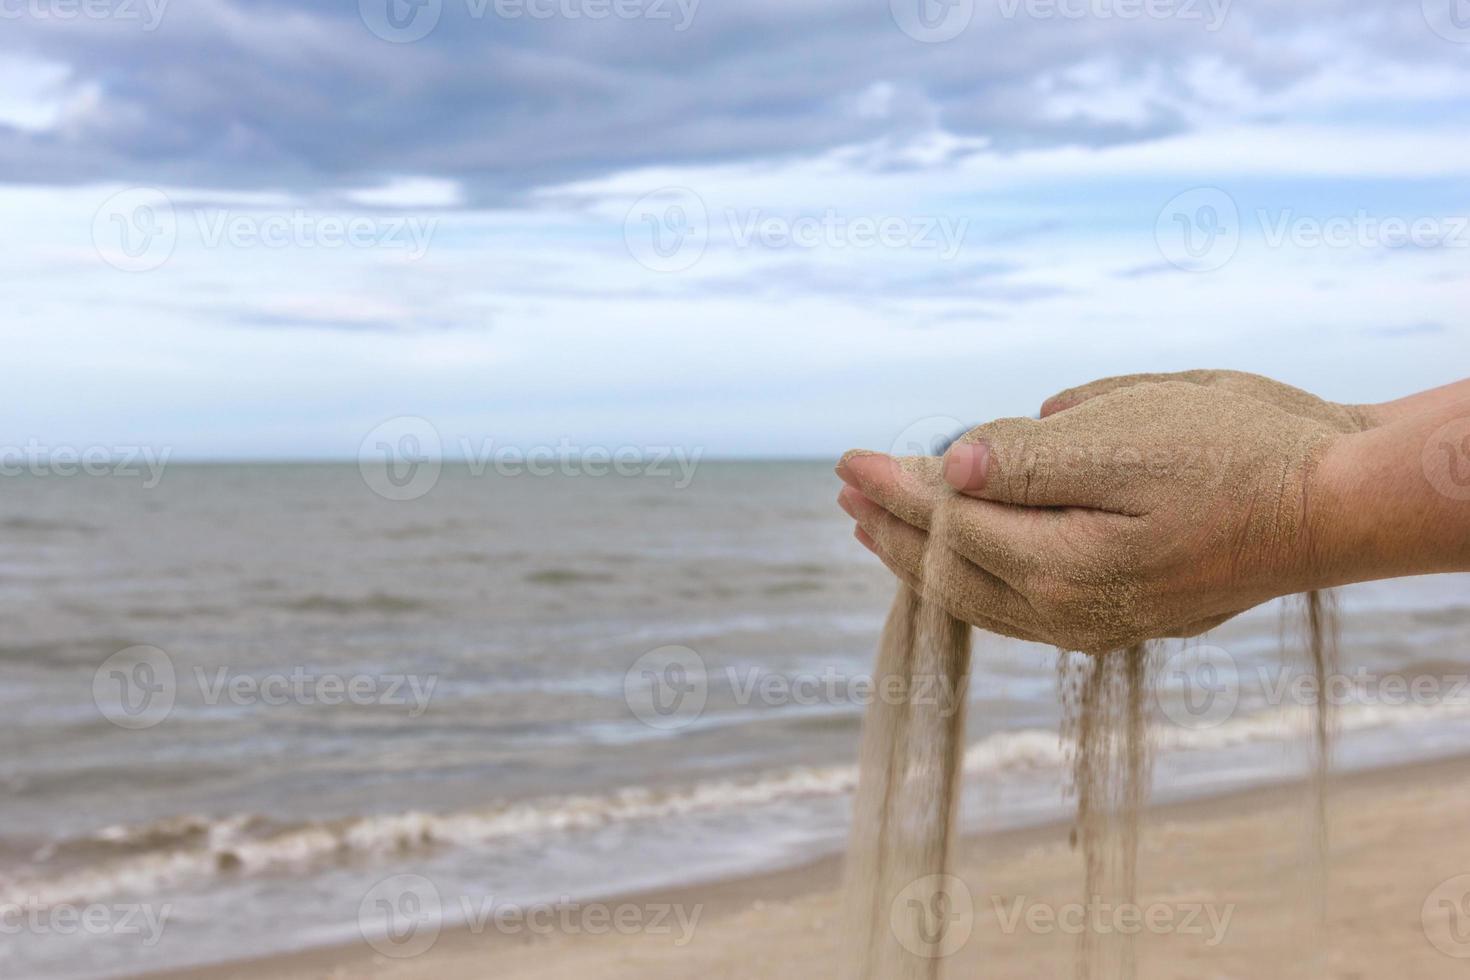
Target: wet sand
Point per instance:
(1224, 889)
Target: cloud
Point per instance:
(499, 99)
(1148, 269)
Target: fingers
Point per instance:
(1080, 458)
(1071, 397)
(958, 612)
(1118, 452)
(908, 486)
(1033, 463)
(898, 539)
(1002, 539)
(1059, 402)
(960, 585)
(969, 592)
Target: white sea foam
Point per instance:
(192, 849)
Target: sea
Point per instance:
(240, 698)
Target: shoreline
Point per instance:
(731, 909)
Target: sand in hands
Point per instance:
(899, 894)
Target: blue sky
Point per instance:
(249, 229)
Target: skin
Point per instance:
(1371, 510)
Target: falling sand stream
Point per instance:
(899, 896)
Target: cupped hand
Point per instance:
(1156, 509)
(1295, 401)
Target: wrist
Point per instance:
(1419, 403)
(1375, 509)
(1331, 541)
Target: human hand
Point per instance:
(1295, 401)
(1157, 509)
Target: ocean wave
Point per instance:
(189, 849)
(567, 576)
(377, 602)
(180, 850)
(42, 525)
(800, 586)
(66, 653)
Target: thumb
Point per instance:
(1028, 463)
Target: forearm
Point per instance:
(1385, 413)
(1394, 500)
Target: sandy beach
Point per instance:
(651, 489)
(1225, 891)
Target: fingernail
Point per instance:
(845, 501)
(842, 469)
(867, 469)
(1055, 404)
(966, 465)
(865, 539)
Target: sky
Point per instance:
(239, 229)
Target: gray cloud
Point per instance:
(302, 96)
